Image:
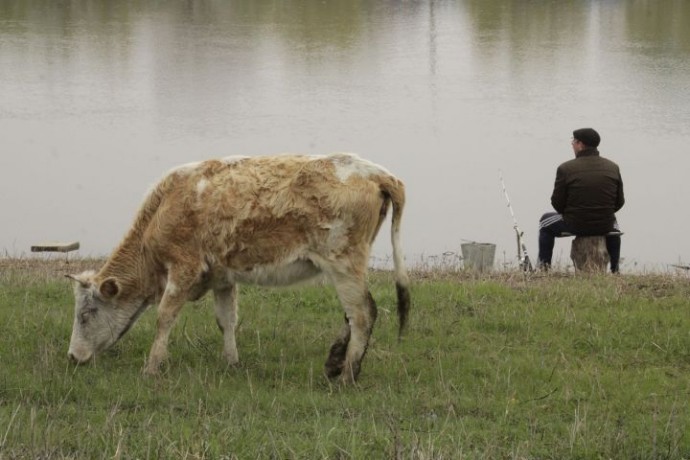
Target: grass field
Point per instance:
(495, 366)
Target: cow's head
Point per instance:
(100, 318)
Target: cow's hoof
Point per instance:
(346, 380)
(334, 365)
(333, 370)
(152, 370)
(349, 374)
(231, 359)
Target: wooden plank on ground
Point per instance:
(55, 246)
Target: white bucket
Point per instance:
(478, 256)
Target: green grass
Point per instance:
(498, 366)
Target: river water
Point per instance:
(99, 98)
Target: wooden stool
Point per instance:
(589, 253)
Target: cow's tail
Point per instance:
(395, 190)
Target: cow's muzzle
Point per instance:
(77, 359)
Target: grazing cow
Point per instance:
(270, 220)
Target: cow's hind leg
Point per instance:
(226, 317)
(336, 357)
(348, 350)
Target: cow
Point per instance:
(270, 220)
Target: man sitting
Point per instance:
(586, 196)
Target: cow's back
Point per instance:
(253, 211)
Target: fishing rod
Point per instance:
(524, 262)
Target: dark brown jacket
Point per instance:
(588, 192)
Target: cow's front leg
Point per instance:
(170, 305)
(226, 317)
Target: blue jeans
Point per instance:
(552, 225)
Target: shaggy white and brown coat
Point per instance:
(267, 220)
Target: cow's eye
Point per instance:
(86, 314)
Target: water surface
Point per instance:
(98, 99)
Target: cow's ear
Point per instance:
(109, 288)
(78, 279)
